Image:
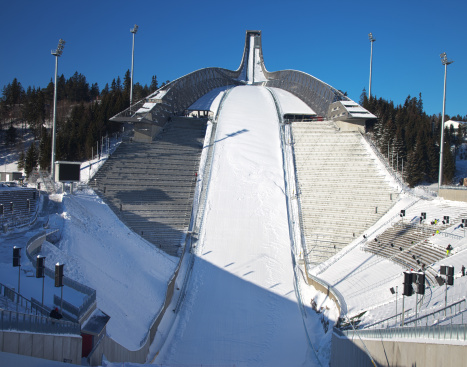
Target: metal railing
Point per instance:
(324, 266)
(179, 94)
(399, 179)
(314, 92)
(388, 320)
(441, 314)
(290, 217)
(436, 332)
(16, 321)
(25, 304)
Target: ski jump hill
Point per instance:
(284, 225)
(263, 184)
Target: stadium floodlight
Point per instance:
(133, 31)
(60, 47)
(445, 61)
(370, 37)
(57, 53)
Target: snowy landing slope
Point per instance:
(241, 307)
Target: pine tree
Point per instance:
(154, 86)
(127, 82)
(449, 165)
(45, 150)
(363, 98)
(11, 135)
(21, 161)
(31, 159)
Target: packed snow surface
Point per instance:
(289, 104)
(210, 101)
(241, 307)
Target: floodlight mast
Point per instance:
(445, 61)
(132, 30)
(370, 37)
(57, 53)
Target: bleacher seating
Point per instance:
(411, 244)
(150, 186)
(340, 189)
(18, 205)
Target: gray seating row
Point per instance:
(150, 186)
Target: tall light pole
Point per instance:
(57, 53)
(445, 62)
(370, 36)
(132, 30)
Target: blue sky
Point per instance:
(328, 40)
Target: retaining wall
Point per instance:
(346, 352)
(456, 194)
(61, 348)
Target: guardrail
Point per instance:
(383, 160)
(28, 305)
(21, 223)
(436, 315)
(387, 320)
(436, 332)
(11, 320)
(290, 217)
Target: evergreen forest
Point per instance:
(82, 117)
(410, 139)
(404, 134)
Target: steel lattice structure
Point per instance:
(175, 97)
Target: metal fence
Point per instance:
(23, 303)
(436, 332)
(443, 314)
(16, 321)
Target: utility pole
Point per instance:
(445, 62)
(57, 53)
(370, 36)
(132, 30)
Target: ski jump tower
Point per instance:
(151, 113)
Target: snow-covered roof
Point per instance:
(290, 104)
(454, 124)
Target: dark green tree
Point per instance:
(45, 149)
(154, 86)
(30, 162)
(11, 135)
(21, 159)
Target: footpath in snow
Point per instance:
(241, 307)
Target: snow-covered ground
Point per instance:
(240, 307)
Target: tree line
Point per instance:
(82, 118)
(410, 138)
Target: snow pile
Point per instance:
(129, 274)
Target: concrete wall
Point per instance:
(324, 289)
(453, 194)
(145, 133)
(61, 348)
(348, 353)
(351, 126)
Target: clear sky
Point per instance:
(327, 39)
